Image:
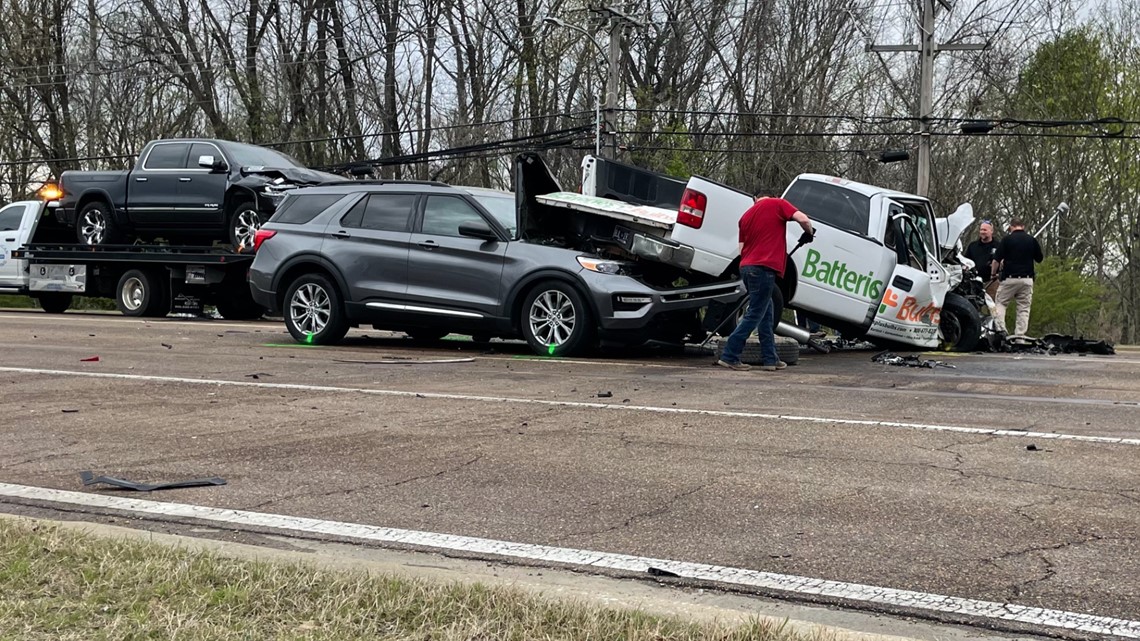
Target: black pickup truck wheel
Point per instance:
(95, 225)
(243, 225)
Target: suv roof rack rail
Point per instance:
(378, 181)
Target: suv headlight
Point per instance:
(606, 266)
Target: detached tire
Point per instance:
(555, 320)
(960, 324)
(314, 312)
(141, 293)
(54, 303)
(787, 350)
(95, 225)
(242, 225)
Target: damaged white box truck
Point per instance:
(881, 267)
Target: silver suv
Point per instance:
(430, 259)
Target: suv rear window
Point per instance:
(381, 212)
(298, 210)
(831, 204)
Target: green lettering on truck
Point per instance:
(837, 275)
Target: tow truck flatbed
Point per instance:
(165, 254)
(143, 280)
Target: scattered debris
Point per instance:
(1049, 344)
(257, 375)
(605, 394)
(70, 411)
(167, 345)
(1032, 447)
(395, 361)
(89, 359)
(912, 360)
(659, 572)
(841, 344)
(89, 478)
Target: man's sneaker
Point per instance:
(772, 368)
(740, 367)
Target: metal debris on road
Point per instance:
(605, 394)
(912, 360)
(1049, 344)
(89, 478)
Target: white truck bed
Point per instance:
(641, 214)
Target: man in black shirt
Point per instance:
(1013, 260)
(981, 251)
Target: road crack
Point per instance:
(366, 486)
(664, 508)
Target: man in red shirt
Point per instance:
(763, 253)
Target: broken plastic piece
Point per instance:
(89, 478)
(89, 359)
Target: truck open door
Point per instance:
(911, 304)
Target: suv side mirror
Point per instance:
(209, 162)
(477, 229)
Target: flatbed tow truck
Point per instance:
(143, 280)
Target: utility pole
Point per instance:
(927, 49)
(618, 22)
(612, 75)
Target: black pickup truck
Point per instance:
(182, 190)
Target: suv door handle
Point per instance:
(342, 234)
(140, 180)
(183, 180)
(429, 245)
(9, 240)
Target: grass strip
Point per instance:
(62, 584)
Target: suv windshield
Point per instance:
(501, 206)
(251, 156)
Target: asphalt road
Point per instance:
(779, 474)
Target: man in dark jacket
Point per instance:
(981, 251)
(1013, 260)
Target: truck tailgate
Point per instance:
(642, 214)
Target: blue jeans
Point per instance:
(760, 282)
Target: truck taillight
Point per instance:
(692, 210)
(261, 236)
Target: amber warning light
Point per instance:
(50, 191)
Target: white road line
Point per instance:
(1110, 440)
(86, 318)
(739, 577)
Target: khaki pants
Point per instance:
(1015, 289)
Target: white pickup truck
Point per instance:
(880, 266)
